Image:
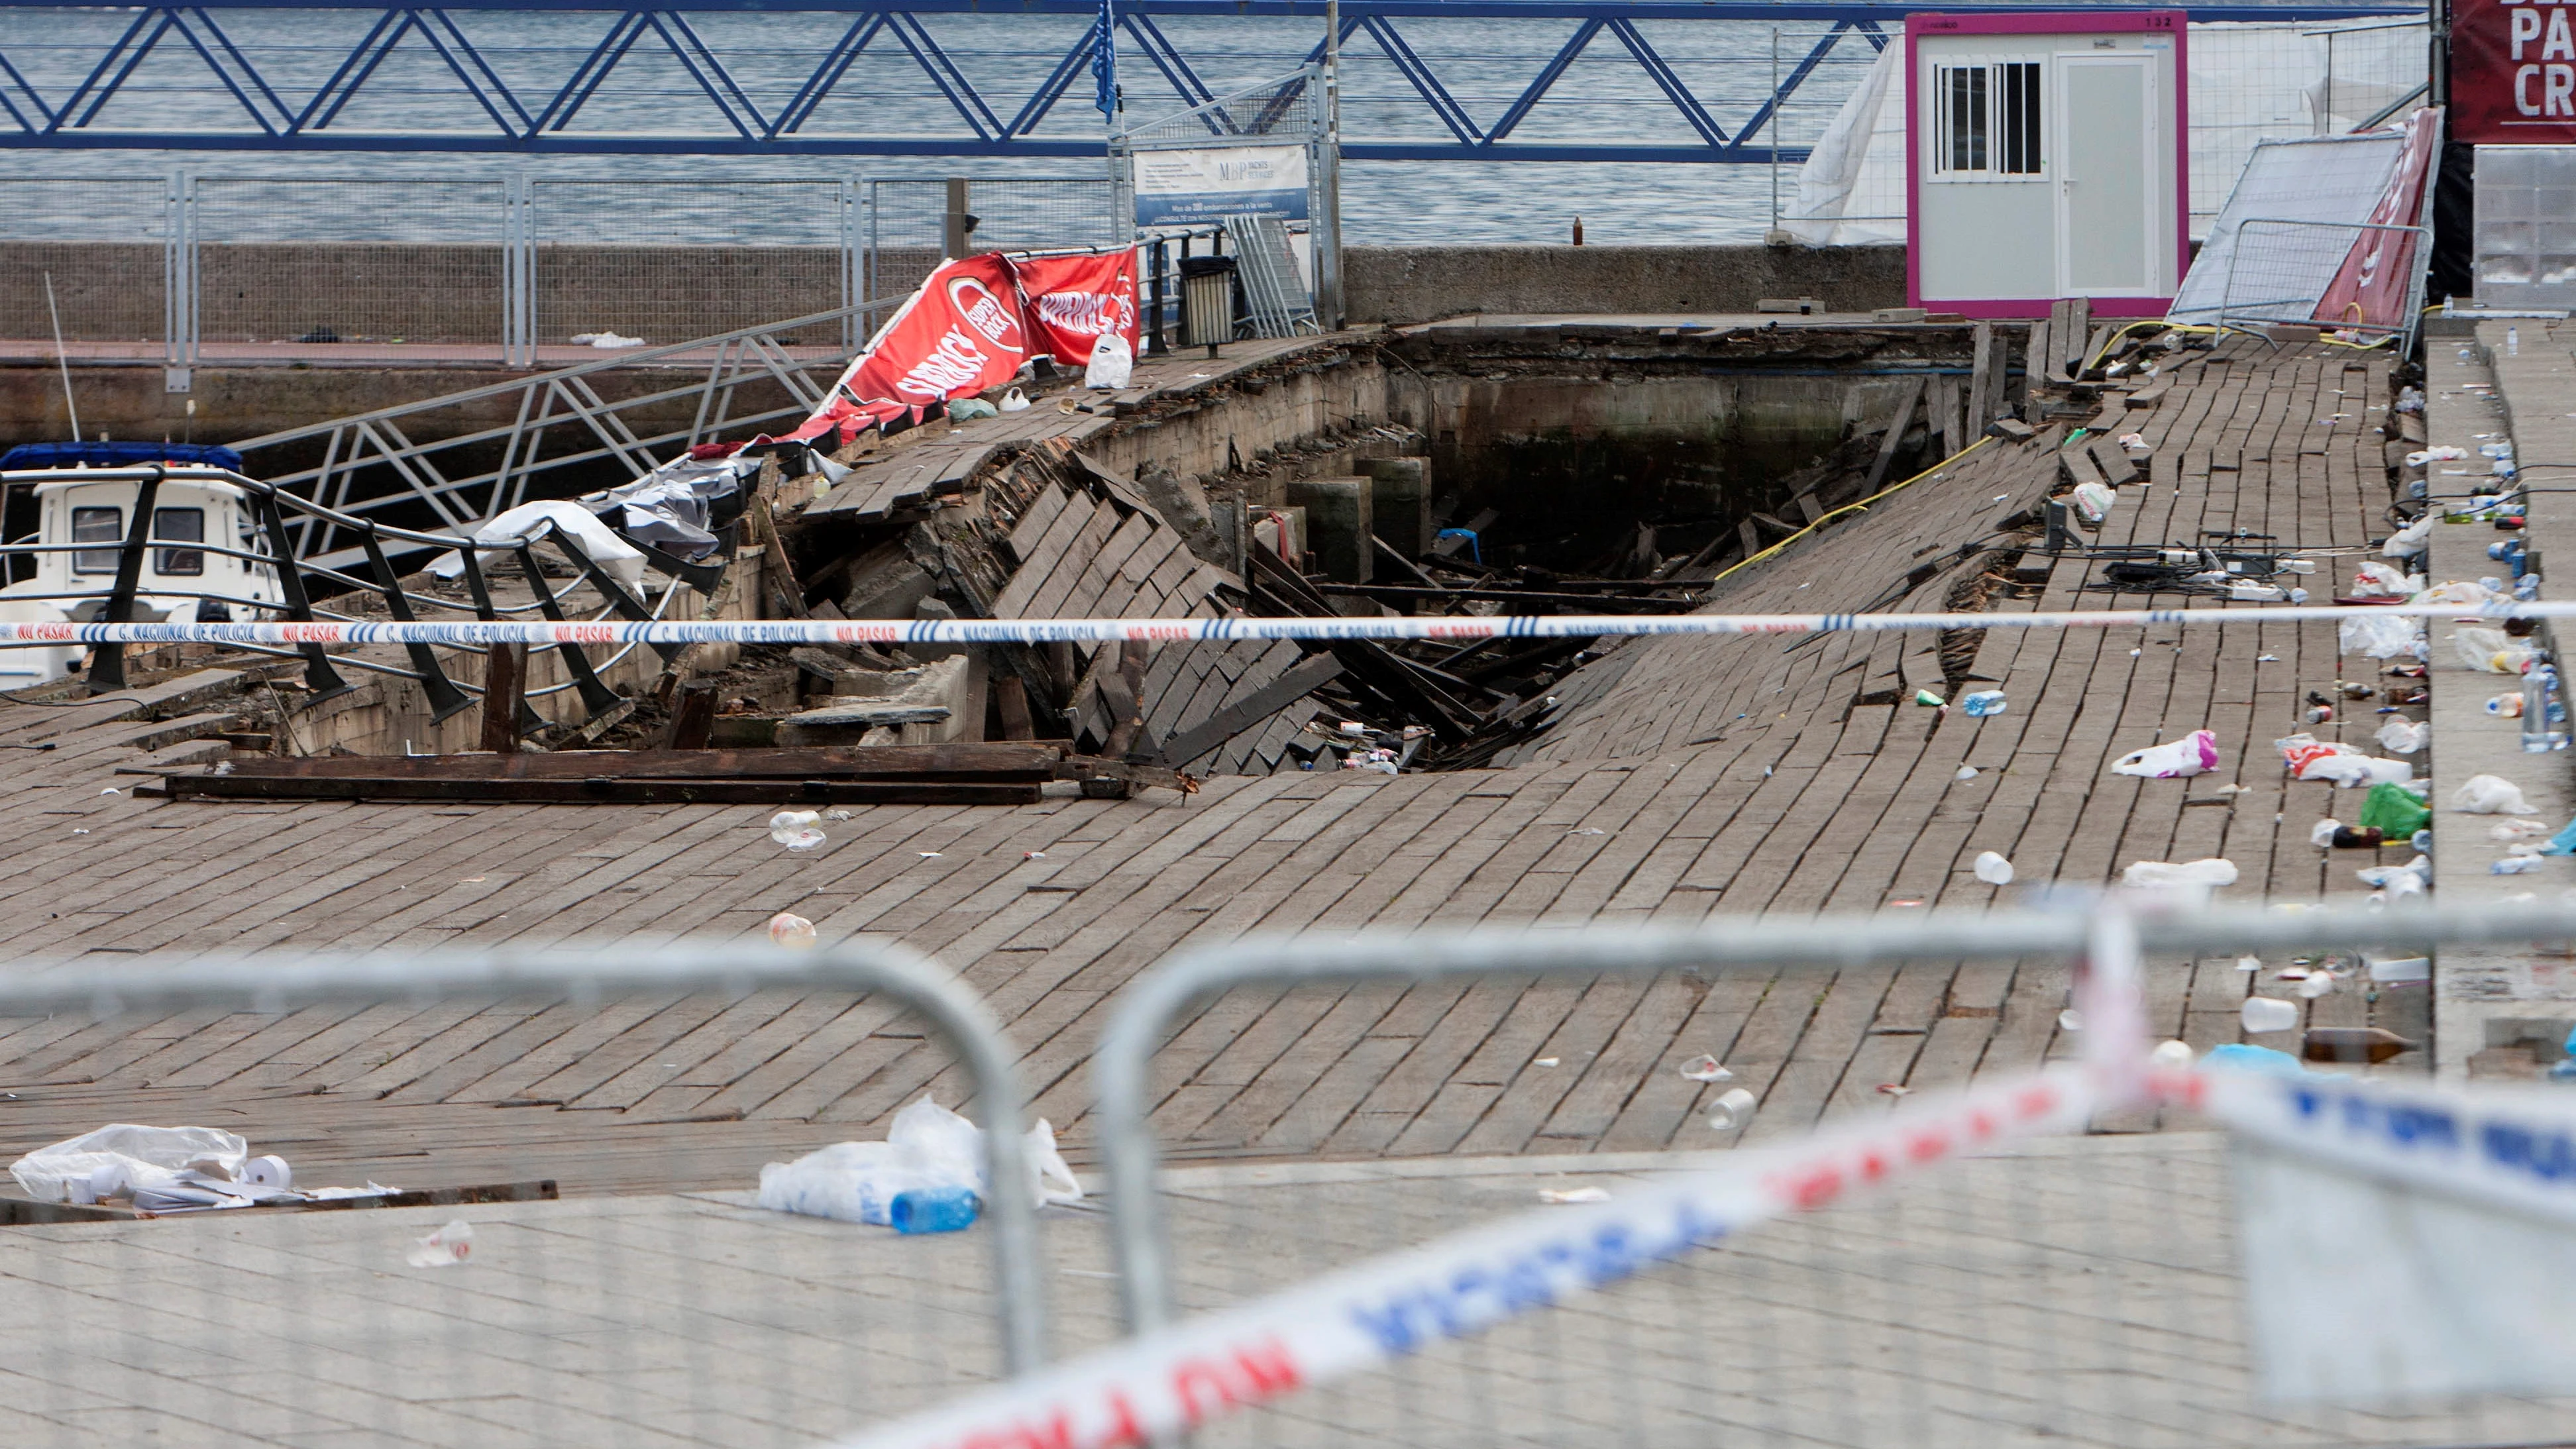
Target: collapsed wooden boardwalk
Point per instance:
(1686, 778)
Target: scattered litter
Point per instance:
(1032, 855)
(1984, 703)
(445, 1248)
(1546, 1061)
(1928, 699)
(1014, 401)
(2250, 1058)
(2193, 754)
(2170, 1055)
(2267, 658)
(796, 829)
(2322, 834)
(2394, 811)
(1112, 364)
(2505, 706)
(926, 1177)
(792, 931)
(2515, 865)
(2249, 963)
(2317, 984)
(1966, 772)
(605, 341)
(1573, 1194)
(1706, 1069)
(111, 790)
(2264, 1014)
(1891, 1089)
(80, 832)
(1583, 832)
(1993, 869)
(2379, 636)
(2210, 872)
(2516, 830)
(2404, 968)
(2487, 795)
(2402, 736)
(1733, 1110)
(2230, 788)
(163, 1170)
(927, 854)
(837, 816)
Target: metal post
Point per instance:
(1773, 236)
(957, 223)
(107, 661)
(853, 276)
(1327, 229)
(445, 698)
(319, 677)
(179, 282)
(1157, 257)
(518, 272)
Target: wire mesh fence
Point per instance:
(914, 222)
(288, 259)
(571, 1251)
(674, 260)
(2284, 271)
(102, 241)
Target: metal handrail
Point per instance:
(1144, 1016)
(270, 986)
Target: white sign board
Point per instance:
(1187, 188)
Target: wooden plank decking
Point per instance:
(1686, 778)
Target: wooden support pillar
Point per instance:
(505, 688)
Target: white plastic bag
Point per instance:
(2487, 795)
(2460, 593)
(2492, 650)
(1014, 401)
(2350, 768)
(927, 1148)
(2383, 581)
(1111, 363)
(2403, 736)
(2410, 541)
(2193, 754)
(2379, 636)
(122, 1156)
(2093, 502)
(2211, 872)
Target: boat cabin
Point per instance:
(191, 573)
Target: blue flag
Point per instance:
(1104, 61)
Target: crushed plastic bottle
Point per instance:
(447, 1247)
(1984, 703)
(792, 931)
(796, 829)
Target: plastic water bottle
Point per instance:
(1984, 702)
(2535, 710)
(934, 1210)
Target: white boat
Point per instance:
(65, 571)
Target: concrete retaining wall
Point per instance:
(1419, 284)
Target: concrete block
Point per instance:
(1338, 525)
(1400, 502)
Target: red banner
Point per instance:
(1072, 300)
(2513, 72)
(960, 334)
(2375, 285)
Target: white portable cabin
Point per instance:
(2047, 157)
(181, 584)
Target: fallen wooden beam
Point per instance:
(961, 760)
(1302, 679)
(604, 790)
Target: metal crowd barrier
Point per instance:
(666, 1315)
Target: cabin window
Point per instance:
(96, 525)
(1986, 121)
(179, 525)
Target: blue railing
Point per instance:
(929, 77)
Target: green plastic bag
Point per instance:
(2397, 813)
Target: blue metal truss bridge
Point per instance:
(1449, 80)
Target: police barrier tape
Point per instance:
(2513, 1149)
(1176, 1378)
(1224, 630)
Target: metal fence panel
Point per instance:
(909, 221)
(102, 239)
(2526, 226)
(652, 1302)
(2280, 271)
(385, 261)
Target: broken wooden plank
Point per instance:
(1300, 680)
(962, 759)
(1887, 446)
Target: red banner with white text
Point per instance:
(2513, 72)
(1072, 300)
(974, 325)
(960, 334)
(2375, 286)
